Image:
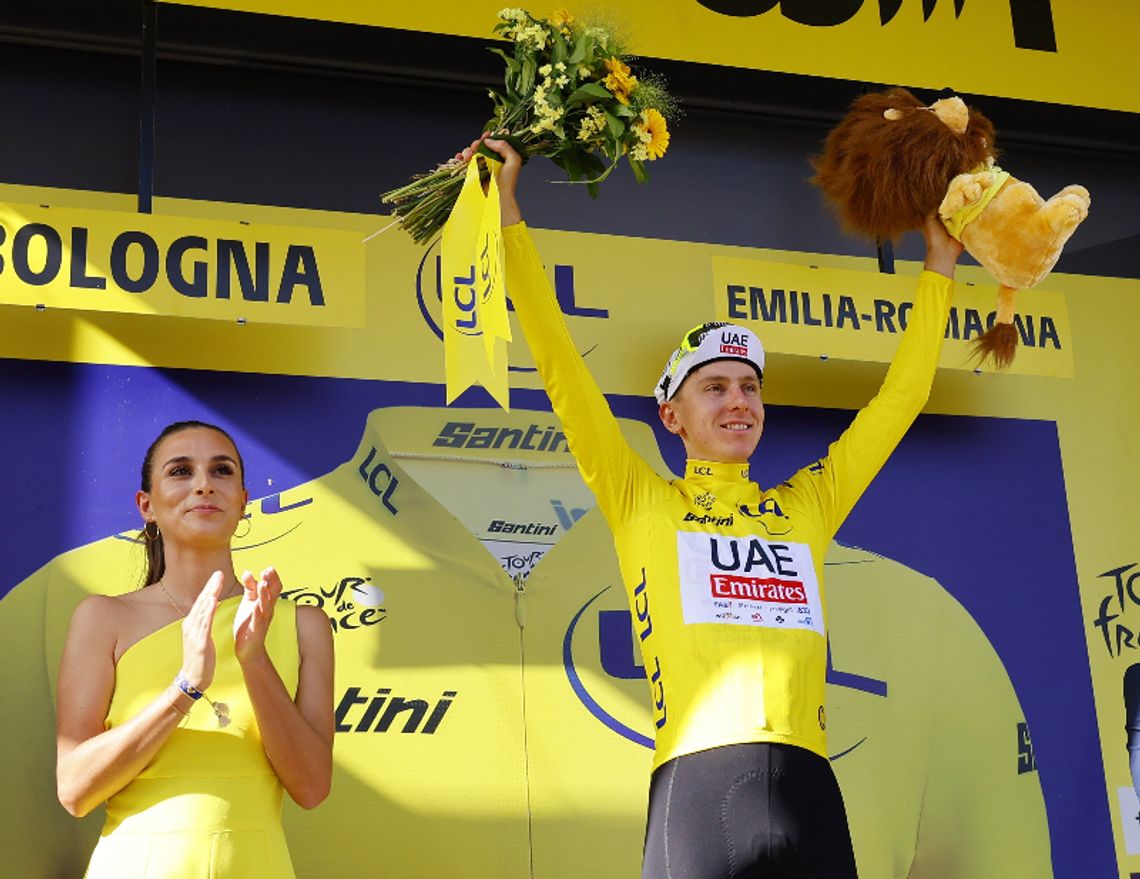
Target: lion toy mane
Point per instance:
(892, 161)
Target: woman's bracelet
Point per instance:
(176, 708)
(221, 709)
(188, 688)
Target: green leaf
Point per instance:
(559, 50)
(516, 142)
(572, 166)
(592, 166)
(625, 110)
(639, 172)
(513, 68)
(617, 127)
(582, 48)
(511, 62)
(591, 91)
(526, 78)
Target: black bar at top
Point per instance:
(1033, 25)
(146, 106)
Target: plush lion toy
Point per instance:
(892, 160)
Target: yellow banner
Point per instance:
(858, 315)
(1057, 51)
(179, 266)
(674, 286)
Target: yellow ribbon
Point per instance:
(476, 327)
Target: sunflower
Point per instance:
(654, 133)
(619, 80)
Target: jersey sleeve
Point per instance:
(833, 484)
(33, 621)
(621, 480)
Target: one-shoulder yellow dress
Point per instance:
(209, 804)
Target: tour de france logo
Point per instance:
(705, 500)
(350, 603)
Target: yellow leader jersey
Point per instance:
(504, 720)
(725, 580)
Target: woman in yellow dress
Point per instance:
(180, 705)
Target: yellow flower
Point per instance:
(534, 34)
(592, 123)
(619, 80)
(653, 125)
(561, 17)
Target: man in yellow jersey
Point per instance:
(724, 579)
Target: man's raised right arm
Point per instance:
(618, 477)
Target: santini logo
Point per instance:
(499, 526)
(719, 521)
(532, 438)
(378, 713)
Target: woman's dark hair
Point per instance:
(150, 535)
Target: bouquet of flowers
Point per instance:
(570, 96)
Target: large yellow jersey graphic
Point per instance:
(492, 712)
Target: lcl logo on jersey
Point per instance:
(768, 514)
(601, 660)
(380, 479)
